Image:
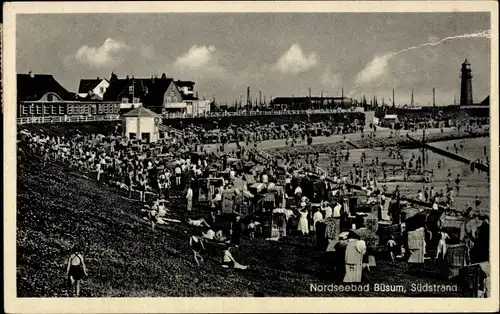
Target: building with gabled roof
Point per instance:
(41, 87)
(142, 124)
(162, 95)
(127, 90)
(93, 89)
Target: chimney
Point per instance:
(127, 77)
(98, 78)
(31, 74)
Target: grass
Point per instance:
(58, 207)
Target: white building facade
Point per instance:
(141, 124)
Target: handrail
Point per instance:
(66, 119)
(245, 113)
(59, 119)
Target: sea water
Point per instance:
(472, 183)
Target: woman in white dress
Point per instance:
(303, 223)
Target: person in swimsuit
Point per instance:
(227, 259)
(142, 187)
(130, 182)
(441, 249)
(196, 244)
(76, 269)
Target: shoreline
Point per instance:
(364, 143)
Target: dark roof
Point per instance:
(157, 91)
(35, 86)
(119, 88)
(180, 83)
(87, 85)
(150, 90)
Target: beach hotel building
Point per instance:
(161, 95)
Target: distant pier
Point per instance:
(477, 164)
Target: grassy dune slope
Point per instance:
(57, 208)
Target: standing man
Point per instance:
(236, 231)
(189, 197)
(178, 173)
(298, 195)
(457, 184)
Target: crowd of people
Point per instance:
(255, 133)
(179, 165)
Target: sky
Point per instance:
(279, 54)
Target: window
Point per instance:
(24, 109)
(146, 137)
(131, 89)
(54, 109)
(69, 109)
(39, 109)
(101, 90)
(136, 100)
(131, 136)
(61, 109)
(50, 97)
(46, 109)
(32, 109)
(125, 100)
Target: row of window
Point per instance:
(60, 109)
(126, 100)
(79, 109)
(45, 110)
(109, 108)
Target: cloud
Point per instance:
(330, 79)
(374, 70)
(197, 57)
(199, 62)
(107, 55)
(147, 52)
(294, 61)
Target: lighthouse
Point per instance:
(466, 84)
